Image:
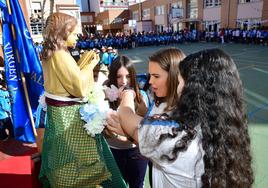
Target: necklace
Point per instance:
(159, 100)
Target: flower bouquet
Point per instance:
(94, 111)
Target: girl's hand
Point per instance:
(125, 89)
(113, 123)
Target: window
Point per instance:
(248, 1)
(135, 15)
(176, 5)
(113, 3)
(192, 9)
(117, 20)
(90, 18)
(36, 8)
(177, 12)
(159, 28)
(35, 19)
(160, 10)
(146, 13)
(212, 3)
(214, 25)
(248, 23)
(87, 18)
(208, 3)
(36, 28)
(217, 3)
(244, 1)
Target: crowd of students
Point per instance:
(251, 36)
(127, 41)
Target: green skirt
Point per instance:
(71, 157)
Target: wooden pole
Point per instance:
(23, 78)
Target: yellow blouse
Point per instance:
(64, 77)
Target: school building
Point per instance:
(32, 10)
(174, 15)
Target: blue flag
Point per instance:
(2, 3)
(27, 63)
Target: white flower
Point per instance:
(95, 111)
(42, 102)
(112, 93)
(96, 125)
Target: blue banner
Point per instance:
(28, 63)
(3, 3)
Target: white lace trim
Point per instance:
(61, 98)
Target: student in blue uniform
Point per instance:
(5, 112)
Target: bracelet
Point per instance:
(127, 88)
(115, 135)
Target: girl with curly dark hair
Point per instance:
(212, 99)
(205, 142)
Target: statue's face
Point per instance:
(72, 38)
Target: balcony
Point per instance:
(114, 4)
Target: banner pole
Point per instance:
(23, 78)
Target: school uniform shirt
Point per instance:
(110, 58)
(186, 170)
(5, 106)
(104, 58)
